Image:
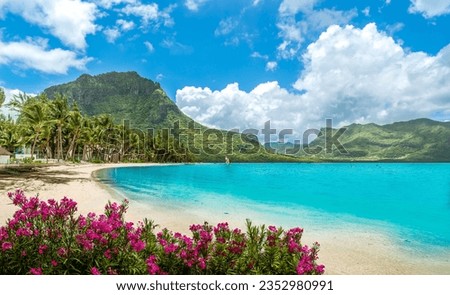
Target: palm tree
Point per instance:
(34, 116)
(75, 124)
(59, 113)
(9, 137)
(2, 96)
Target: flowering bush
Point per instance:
(48, 238)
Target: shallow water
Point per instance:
(411, 201)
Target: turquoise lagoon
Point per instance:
(410, 201)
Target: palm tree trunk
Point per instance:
(34, 145)
(59, 142)
(70, 151)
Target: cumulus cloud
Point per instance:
(68, 20)
(233, 108)
(366, 11)
(292, 7)
(194, 5)
(125, 25)
(271, 66)
(34, 54)
(294, 32)
(351, 75)
(150, 13)
(110, 3)
(9, 95)
(430, 8)
(364, 75)
(111, 34)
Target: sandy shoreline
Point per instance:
(342, 252)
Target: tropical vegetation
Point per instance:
(55, 129)
(48, 237)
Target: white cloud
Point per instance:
(271, 66)
(388, 2)
(159, 77)
(351, 75)
(34, 54)
(256, 2)
(150, 13)
(68, 20)
(110, 3)
(194, 5)
(226, 26)
(111, 34)
(9, 95)
(430, 8)
(294, 33)
(233, 108)
(366, 11)
(147, 12)
(364, 75)
(125, 25)
(292, 7)
(259, 55)
(149, 46)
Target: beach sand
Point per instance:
(342, 251)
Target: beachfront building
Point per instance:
(4, 156)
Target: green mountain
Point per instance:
(125, 96)
(145, 105)
(411, 141)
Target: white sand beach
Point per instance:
(342, 252)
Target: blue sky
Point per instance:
(240, 63)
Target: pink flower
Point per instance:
(36, 271)
(272, 228)
(42, 249)
(320, 269)
(3, 233)
(95, 271)
(62, 252)
(170, 248)
(138, 245)
(54, 263)
(6, 246)
(107, 254)
(202, 263)
(152, 267)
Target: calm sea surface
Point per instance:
(410, 200)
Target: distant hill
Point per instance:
(128, 96)
(415, 140)
(125, 96)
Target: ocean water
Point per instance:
(411, 201)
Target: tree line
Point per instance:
(57, 129)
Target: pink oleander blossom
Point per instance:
(6, 246)
(36, 271)
(138, 245)
(42, 249)
(95, 271)
(152, 267)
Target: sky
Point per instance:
(240, 63)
